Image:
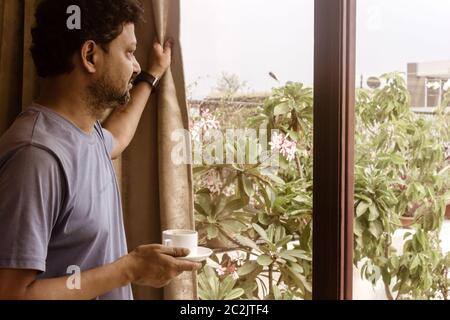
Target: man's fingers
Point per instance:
(168, 46)
(188, 266)
(174, 251)
(169, 43)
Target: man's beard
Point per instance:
(103, 96)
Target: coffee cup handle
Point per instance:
(168, 242)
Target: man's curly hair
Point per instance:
(101, 21)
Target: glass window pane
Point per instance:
(402, 173)
(249, 72)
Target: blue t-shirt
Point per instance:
(59, 199)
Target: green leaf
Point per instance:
(306, 237)
(249, 287)
(284, 241)
(376, 229)
(247, 268)
(362, 208)
(397, 159)
(363, 197)
(221, 203)
(248, 186)
(301, 198)
(300, 280)
(264, 194)
(415, 263)
(276, 293)
(359, 227)
(285, 255)
(264, 260)
(204, 294)
(204, 201)
(280, 233)
(199, 209)
(234, 205)
(274, 178)
(300, 254)
(232, 226)
(246, 242)
(281, 109)
(261, 232)
(270, 231)
(226, 286)
(374, 214)
(263, 218)
(200, 218)
(212, 231)
(212, 280)
(295, 267)
(203, 282)
(234, 294)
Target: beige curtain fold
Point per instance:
(175, 182)
(158, 194)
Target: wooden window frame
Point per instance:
(334, 109)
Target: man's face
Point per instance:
(111, 88)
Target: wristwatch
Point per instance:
(147, 77)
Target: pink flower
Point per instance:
(204, 112)
(277, 141)
(229, 190)
(221, 271)
(286, 147)
(213, 182)
(209, 123)
(205, 123)
(289, 149)
(232, 268)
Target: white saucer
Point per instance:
(202, 254)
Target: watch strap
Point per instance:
(147, 77)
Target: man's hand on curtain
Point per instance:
(160, 58)
(123, 122)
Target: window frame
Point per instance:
(334, 125)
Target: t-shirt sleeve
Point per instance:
(31, 194)
(109, 141)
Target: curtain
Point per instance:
(159, 193)
(18, 81)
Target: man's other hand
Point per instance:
(160, 58)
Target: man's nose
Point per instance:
(136, 67)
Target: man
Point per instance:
(59, 203)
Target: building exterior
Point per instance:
(428, 83)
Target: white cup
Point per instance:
(181, 238)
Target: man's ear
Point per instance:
(89, 56)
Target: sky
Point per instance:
(251, 38)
